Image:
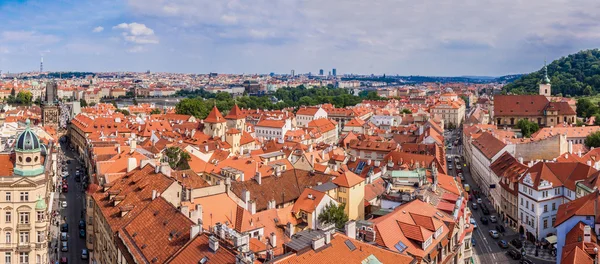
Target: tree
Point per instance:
(83, 103)
(196, 107)
(406, 111)
(178, 159)
(451, 126)
(585, 108)
(123, 111)
(334, 214)
(13, 92)
(134, 101)
(24, 97)
(466, 99)
(593, 140)
(527, 127)
(155, 111)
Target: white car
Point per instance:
(63, 204)
(473, 222)
(479, 200)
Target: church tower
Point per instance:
(545, 88)
(236, 118)
(215, 124)
(28, 151)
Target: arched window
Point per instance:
(8, 237)
(20, 159)
(35, 158)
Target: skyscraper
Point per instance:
(321, 72)
(293, 73)
(334, 72)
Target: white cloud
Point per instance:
(398, 36)
(98, 29)
(137, 33)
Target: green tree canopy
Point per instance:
(576, 74)
(155, 111)
(527, 127)
(406, 111)
(178, 159)
(593, 140)
(585, 108)
(334, 214)
(83, 103)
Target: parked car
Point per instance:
(494, 234)
(500, 228)
(516, 243)
(484, 210)
(479, 200)
(514, 254)
(473, 241)
(473, 222)
(493, 219)
(65, 188)
(63, 204)
(484, 220)
(458, 166)
(64, 247)
(449, 146)
(449, 158)
(64, 236)
(64, 228)
(82, 233)
(474, 206)
(449, 166)
(64, 260)
(84, 254)
(503, 244)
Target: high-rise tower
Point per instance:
(545, 86)
(42, 64)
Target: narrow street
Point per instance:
(72, 214)
(487, 250)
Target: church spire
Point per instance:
(545, 80)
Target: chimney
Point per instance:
(157, 168)
(290, 229)
(327, 238)
(587, 234)
(589, 163)
(377, 163)
(132, 146)
(194, 231)
(165, 169)
(246, 196)
(154, 194)
(213, 243)
(273, 239)
(521, 160)
(318, 242)
(242, 178)
(252, 207)
(131, 164)
(571, 147)
(369, 162)
(185, 210)
(200, 212)
(350, 229)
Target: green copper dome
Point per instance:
(545, 80)
(28, 140)
(40, 204)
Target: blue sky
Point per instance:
(429, 37)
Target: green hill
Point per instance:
(573, 75)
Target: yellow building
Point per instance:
(24, 191)
(351, 192)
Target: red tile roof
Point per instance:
(347, 179)
(214, 116)
(199, 248)
(488, 145)
(235, 113)
(583, 206)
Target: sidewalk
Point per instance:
(54, 218)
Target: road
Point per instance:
(72, 214)
(486, 247)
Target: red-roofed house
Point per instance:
(307, 114)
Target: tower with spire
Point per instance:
(214, 124)
(545, 87)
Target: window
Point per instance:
(38, 259)
(526, 204)
(24, 196)
(23, 257)
(532, 209)
(553, 206)
(545, 208)
(40, 216)
(553, 220)
(544, 194)
(7, 257)
(8, 217)
(40, 236)
(545, 223)
(24, 237)
(569, 193)
(8, 238)
(23, 218)
(8, 196)
(342, 189)
(556, 191)
(521, 200)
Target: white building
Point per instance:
(544, 187)
(307, 114)
(272, 128)
(385, 122)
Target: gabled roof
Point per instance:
(519, 105)
(559, 173)
(347, 179)
(199, 248)
(308, 201)
(214, 116)
(583, 206)
(488, 145)
(235, 113)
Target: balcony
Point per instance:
(23, 247)
(7, 245)
(23, 226)
(40, 245)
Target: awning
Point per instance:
(551, 239)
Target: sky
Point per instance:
(406, 37)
